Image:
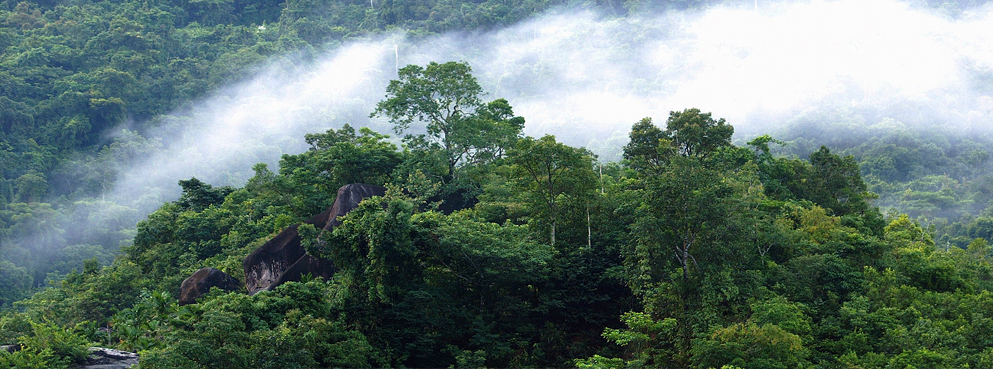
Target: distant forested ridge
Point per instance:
(934, 168)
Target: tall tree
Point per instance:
(649, 147)
(837, 183)
(547, 170)
(446, 98)
(692, 219)
(697, 134)
(688, 133)
(198, 195)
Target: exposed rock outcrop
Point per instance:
(264, 265)
(200, 283)
(349, 197)
(104, 358)
(315, 266)
(284, 259)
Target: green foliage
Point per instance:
(597, 362)
(648, 147)
(16, 281)
(73, 74)
(549, 173)
(647, 340)
(750, 345)
(695, 213)
(31, 359)
(696, 134)
(688, 133)
(446, 97)
(413, 276)
(197, 195)
(806, 235)
(376, 247)
(783, 313)
(12, 326)
(336, 158)
(138, 327)
(30, 187)
(835, 183)
(295, 326)
(46, 345)
(64, 343)
(712, 255)
(916, 165)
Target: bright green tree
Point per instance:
(447, 99)
(549, 172)
(336, 158)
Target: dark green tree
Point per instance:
(688, 133)
(699, 218)
(336, 158)
(696, 134)
(649, 147)
(198, 195)
(31, 187)
(835, 183)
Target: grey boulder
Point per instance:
(105, 358)
(198, 284)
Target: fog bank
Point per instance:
(586, 78)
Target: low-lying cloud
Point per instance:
(586, 78)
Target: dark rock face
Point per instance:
(349, 197)
(104, 358)
(200, 283)
(264, 265)
(283, 258)
(453, 202)
(315, 266)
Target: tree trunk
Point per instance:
(685, 329)
(589, 229)
(553, 231)
(554, 216)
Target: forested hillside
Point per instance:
(85, 85)
(693, 252)
(490, 248)
(935, 169)
(82, 83)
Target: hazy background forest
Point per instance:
(106, 105)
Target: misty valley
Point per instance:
(496, 183)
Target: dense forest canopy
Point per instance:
(691, 247)
(86, 84)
